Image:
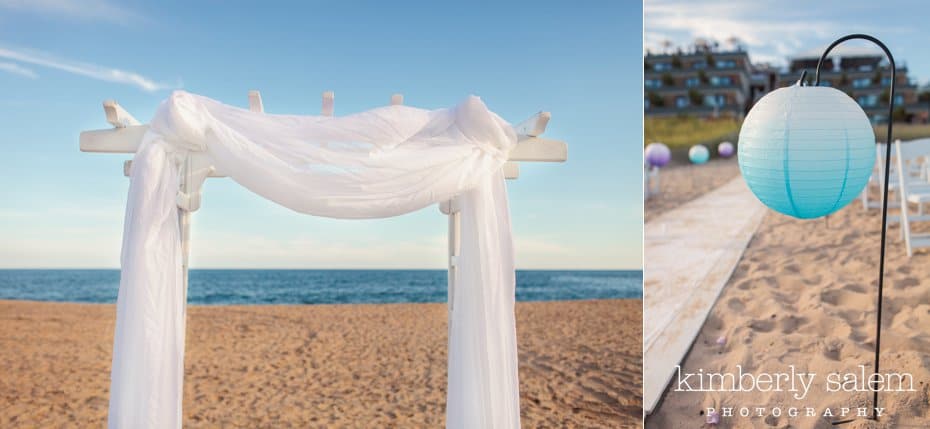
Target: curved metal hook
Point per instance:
(881, 263)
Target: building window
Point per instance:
(653, 83)
(898, 100)
(825, 83)
(646, 103)
(663, 66)
(699, 65)
(862, 82)
(865, 67)
(886, 80)
(716, 100)
(725, 64)
(721, 80)
(692, 81)
(682, 101)
(870, 100)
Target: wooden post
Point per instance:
(184, 224)
(454, 240)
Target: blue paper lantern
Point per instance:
(806, 151)
(698, 154)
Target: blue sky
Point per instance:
(60, 59)
(774, 30)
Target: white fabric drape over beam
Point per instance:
(383, 162)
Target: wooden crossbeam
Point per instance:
(128, 139)
(538, 149)
(127, 135)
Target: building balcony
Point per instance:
(727, 55)
(710, 71)
(882, 108)
(701, 110)
(870, 88)
(836, 74)
(682, 89)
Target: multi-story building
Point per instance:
(708, 83)
(866, 78)
(700, 83)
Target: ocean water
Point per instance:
(219, 287)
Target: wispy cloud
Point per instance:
(90, 10)
(18, 70)
(768, 27)
(92, 71)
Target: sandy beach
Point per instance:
(680, 183)
(804, 294)
(324, 365)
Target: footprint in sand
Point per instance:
(853, 318)
(838, 297)
(771, 420)
(906, 283)
(831, 350)
(854, 287)
(860, 339)
(813, 281)
(736, 305)
(790, 324)
(714, 322)
(762, 325)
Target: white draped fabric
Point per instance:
(383, 162)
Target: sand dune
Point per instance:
(324, 366)
(804, 294)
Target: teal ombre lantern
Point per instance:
(806, 151)
(698, 154)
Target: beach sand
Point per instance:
(804, 294)
(680, 183)
(324, 365)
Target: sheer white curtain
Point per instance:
(380, 163)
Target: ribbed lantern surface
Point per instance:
(806, 151)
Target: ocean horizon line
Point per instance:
(316, 286)
(316, 269)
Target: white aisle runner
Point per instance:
(690, 253)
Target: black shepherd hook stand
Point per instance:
(881, 261)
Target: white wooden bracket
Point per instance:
(255, 101)
(329, 103)
(117, 116)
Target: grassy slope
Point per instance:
(903, 131)
(684, 132)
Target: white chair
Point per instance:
(913, 188)
(645, 181)
(878, 178)
(650, 181)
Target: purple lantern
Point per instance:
(658, 155)
(725, 149)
